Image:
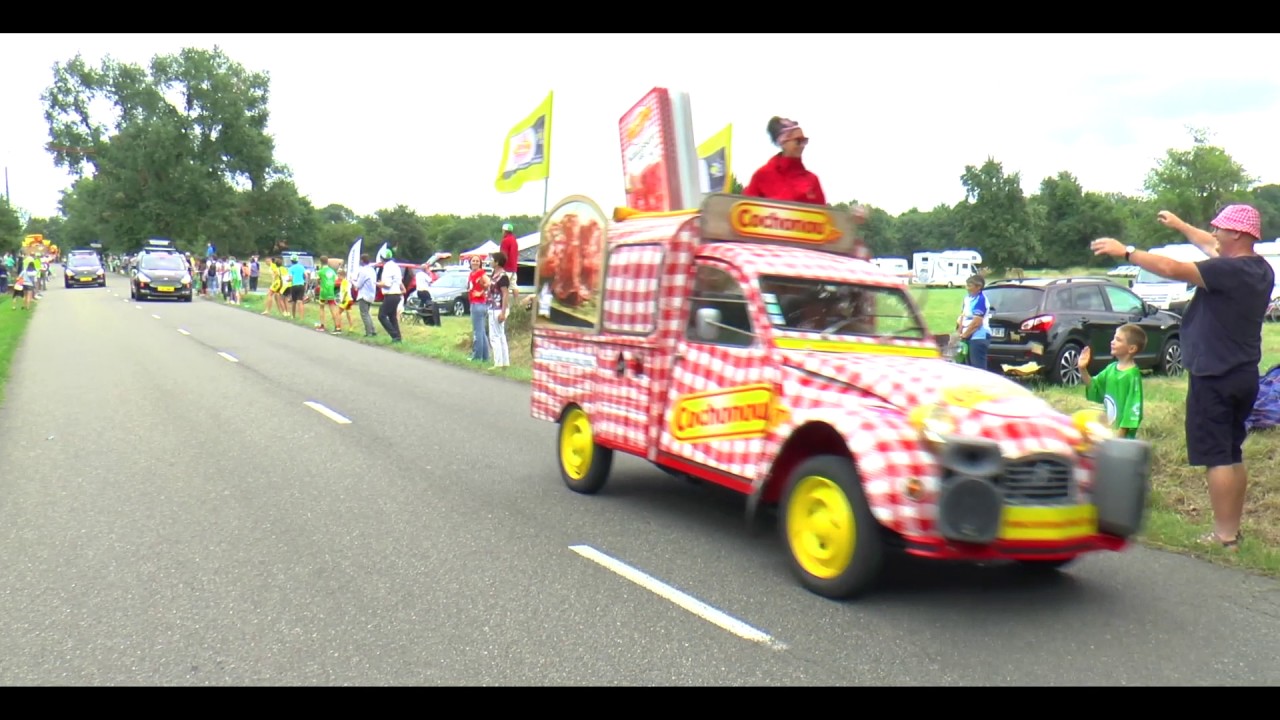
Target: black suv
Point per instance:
(1050, 320)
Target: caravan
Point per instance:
(951, 268)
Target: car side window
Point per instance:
(1123, 301)
(714, 287)
(1089, 298)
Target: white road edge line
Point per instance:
(327, 412)
(665, 591)
(184, 332)
(227, 356)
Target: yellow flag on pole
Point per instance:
(716, 155)
(526, 154)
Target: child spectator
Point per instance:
(1119, 386)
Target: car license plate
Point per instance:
(165, 288)
(86, 279)
(997, 332)
(1048, 523)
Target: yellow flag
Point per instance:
(716, 155)
(526, 154)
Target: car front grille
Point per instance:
(1036, 481)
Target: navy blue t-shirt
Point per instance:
(1222, 328)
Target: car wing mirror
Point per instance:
(706, 323)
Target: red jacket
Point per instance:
(784, 178)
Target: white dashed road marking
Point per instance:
(184, 332)
(663, 590)
(227, 356)
(155, 316)
(327, 412)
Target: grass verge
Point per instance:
(13, 325)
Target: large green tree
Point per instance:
(171, 149)
(1196, 182)
(994, 219)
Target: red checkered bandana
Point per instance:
(1241, 218)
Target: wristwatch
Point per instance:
(1129, 250)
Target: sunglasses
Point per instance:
(803, 141)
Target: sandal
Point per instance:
(1211, 538)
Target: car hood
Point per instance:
(980, 403)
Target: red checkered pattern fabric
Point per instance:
(1242, 218)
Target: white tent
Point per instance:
(488, 248)
(528, 241)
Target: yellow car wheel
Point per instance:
(584, 464)
(835, 545)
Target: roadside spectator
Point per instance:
(477, 296)
(327, 294)
(973, 326)
(1119, 386)
(255, 270)
(392, 284)
(273, 290)
(1221, 346)
(510, 248)
(366, 287)
(345, 299)
(297, 287)
(500, 298)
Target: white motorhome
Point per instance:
(1161, 291)
(949, 267)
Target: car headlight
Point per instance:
(1093, 426)
(142, 278)
(69, 273)
(99, 271)
(933, 422)
(186, 279)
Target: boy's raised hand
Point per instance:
(1085, 356)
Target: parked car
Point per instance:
(1050, 320)
(449, 291)
(1127, 271)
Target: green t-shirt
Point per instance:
(328, 279)
(1120, 392)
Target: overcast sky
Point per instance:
(376, 121)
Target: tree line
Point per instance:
(183, 153)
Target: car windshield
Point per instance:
(1013, 299)
(83, 261)
(837, 308)
(162, 261)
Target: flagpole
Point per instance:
(546, 186)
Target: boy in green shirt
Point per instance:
(1119, 386)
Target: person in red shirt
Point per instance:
(509, 248)
(784, 176)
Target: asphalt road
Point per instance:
(173, 513)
